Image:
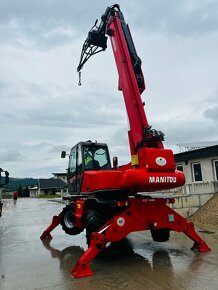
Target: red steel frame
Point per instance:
(140, 214)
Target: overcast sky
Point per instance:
(42, 109)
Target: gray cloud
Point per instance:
(43, 111)
(46, 24)
(35, 104)
(210, 106)
(212, 114)
(7, 155)
(184, 18)
(179, 130)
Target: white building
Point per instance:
(62, 176)
(200, 167)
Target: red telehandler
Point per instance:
(112, 201)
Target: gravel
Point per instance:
(208, 213)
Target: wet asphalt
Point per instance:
(134, 263)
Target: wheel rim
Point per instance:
(69, 219)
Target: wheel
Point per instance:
(160, 235)
(68, 221)
(94, 221)
(1, 205)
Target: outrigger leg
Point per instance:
(55, 222)
(82, 267)
(199, 244)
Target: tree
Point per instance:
(26, 192)
(20, 190)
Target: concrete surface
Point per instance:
(135, 263)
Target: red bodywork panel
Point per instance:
(156, 171)
(132, 180)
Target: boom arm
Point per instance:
(131, 79)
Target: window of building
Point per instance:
(197, 174)
(179, 167)
(215, 166)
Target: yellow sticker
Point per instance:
(135, 160)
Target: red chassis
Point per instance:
(136, 214)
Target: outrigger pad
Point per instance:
(200, 247)
(199, 244)
(81, 270)
(46, 236)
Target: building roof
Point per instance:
(198, 153)
(51, 183)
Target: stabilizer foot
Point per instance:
(199, 244)
(46, 236)
(200, 247)
(81, 270)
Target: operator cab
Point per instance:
(85, 156)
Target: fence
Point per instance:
(190, 197)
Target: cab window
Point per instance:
(72, 161)
(96, 157)
(79, 159)
(101, 156)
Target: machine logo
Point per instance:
(161, 161)
(162, 179)
(120, 221)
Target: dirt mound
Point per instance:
(208, 213)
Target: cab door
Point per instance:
(75, 170)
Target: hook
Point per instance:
(79, 83)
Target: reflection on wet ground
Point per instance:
(135, 262)
(124, 264)
(124, 267)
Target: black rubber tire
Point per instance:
(68, 220)
(1, 205)
(160, 235)
(94, 221)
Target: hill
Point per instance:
(15, 183)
